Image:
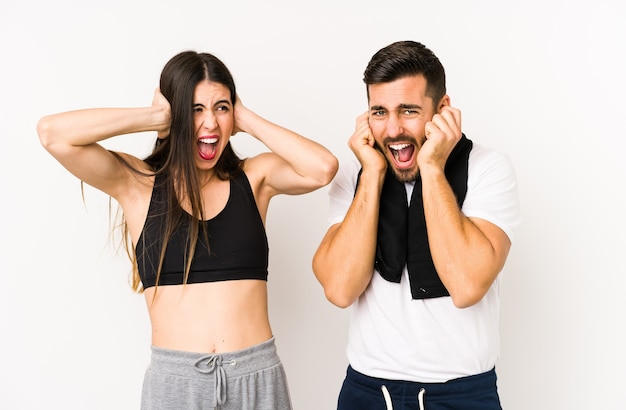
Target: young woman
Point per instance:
(195, 214)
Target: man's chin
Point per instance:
(404, 175)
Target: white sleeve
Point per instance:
(492, 189)
(342, 189)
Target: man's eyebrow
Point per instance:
(400, 107)
(413, 106)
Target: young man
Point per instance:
(421, 223)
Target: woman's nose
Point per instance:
(208, 120)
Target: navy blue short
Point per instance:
(362, 392)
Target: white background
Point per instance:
(542, 81)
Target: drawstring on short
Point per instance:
(213, 364)
(389, 405)
(420, 398)
(387, 397)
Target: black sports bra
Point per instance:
(237, 240)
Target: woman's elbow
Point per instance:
(44, 132)
(328, 170)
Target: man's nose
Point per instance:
(394, 125)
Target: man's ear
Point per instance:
(445, 100)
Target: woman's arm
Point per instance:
(296, 164)
(72, 138)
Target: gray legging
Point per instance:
(252, 378)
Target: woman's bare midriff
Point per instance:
(213, 317)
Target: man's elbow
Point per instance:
(335, 292)
(469, 295)
(465, 300)
(339, 298)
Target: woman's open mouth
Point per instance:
(207, 147)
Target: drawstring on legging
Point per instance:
(389, 405)
(213, 364)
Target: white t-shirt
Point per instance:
(394, 337)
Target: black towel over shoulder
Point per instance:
(402, 235)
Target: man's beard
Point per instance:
(403, 175)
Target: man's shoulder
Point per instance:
(482, 155)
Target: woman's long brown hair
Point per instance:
(174, 155)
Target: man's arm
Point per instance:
(344, 261)
(468, 253)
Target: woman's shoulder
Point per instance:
(257, 167)
(138, 183)
(132, 165)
